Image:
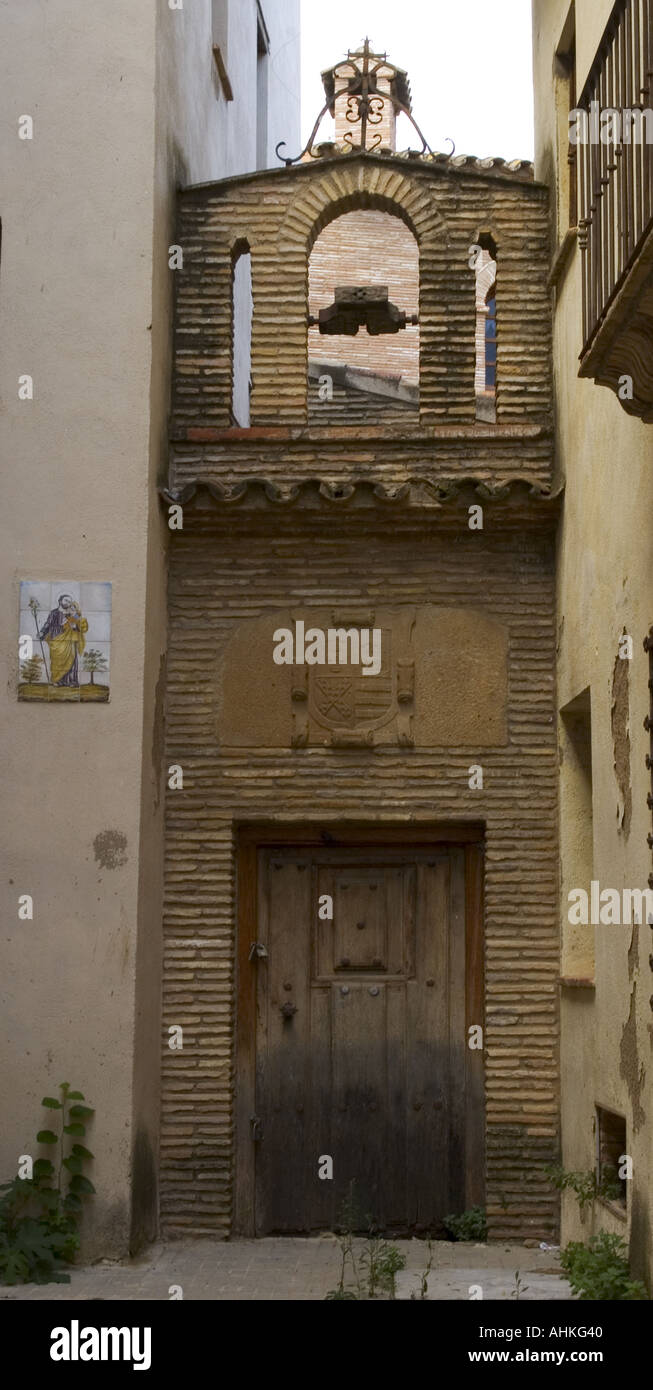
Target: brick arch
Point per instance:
(280, 367)
(341, 190)
(357, 203)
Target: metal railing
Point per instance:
(615, 157)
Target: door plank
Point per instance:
(457, 1033)
(359, 1091)
(475, 1014)
(282, 1155)
(428, 1090)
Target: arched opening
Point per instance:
(242, 308)
(485, 379)
(363, 335)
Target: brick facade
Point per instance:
(288, 514)
(280, 215)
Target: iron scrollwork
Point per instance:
(365, 107)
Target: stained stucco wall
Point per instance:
(76, 310)
(125, 107)
(605, 583)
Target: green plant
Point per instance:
(38, 1221)
(610, 1186)
(520, 1288)
(470, 1225)
(348, 1221)
(424, 1279)
(382, 1263)
(378, 1263)
(586, 1186)
(599, 1270)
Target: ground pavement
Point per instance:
(298, 1269)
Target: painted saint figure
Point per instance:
(65, 632)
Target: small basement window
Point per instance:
(611, 1155)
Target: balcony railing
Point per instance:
(615, 162)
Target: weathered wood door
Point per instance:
(361, 1049)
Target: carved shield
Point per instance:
(342, 698)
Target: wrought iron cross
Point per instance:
(365, 106)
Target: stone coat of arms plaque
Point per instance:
(342, 707)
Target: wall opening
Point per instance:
(610, 1154)
(363, 346)
(485, 377)
(242, 308)
(577, 832)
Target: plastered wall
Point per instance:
(605, 582)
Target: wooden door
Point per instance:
(361, 1049)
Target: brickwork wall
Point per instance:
(227, 568)
(367, 248)
(359, 454)
(349, 406)
(281, 213)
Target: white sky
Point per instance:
(468, 62)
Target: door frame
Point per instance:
(249, 839)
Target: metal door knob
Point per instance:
(288, 1009)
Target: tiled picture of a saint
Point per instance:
(64, 641)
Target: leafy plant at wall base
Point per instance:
(424, 1278)
(470, 1225)
(586, 1186)
(348, 1220)
(378, 1263)
(382, 1262)
(599, 1270)
(38, 1221)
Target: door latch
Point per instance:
(258, 951)
(256, 1129)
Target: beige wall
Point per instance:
(76, 308)
(605, 586)
(125, 107)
